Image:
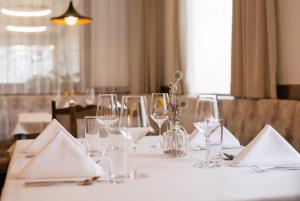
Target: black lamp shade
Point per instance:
(71, 13)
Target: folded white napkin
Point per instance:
(48, 133)
(229, 140)
(268, 149)
(60, 158)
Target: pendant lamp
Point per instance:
(71, 17)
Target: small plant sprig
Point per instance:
(175, 106)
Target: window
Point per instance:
(209, 46)
(39, 62)
(26, 62)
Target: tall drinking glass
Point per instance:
(117, 153)
(91, 135)
(134, 123)
(159, 112)
(206, 120)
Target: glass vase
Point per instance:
(175, 141)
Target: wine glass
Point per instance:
(134, 123)
(107, 111)
(159, 112)
(206, 120)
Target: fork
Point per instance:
(262, 170)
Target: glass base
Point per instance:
(207, 164)
(137, 175)
(172, 153)
(156, 146)
(117, 179)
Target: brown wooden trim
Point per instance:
(288, 92)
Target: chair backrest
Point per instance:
(68, 116)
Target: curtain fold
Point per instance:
(254, 49)
(136, 45)
(155, 43)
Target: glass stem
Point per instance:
(207, 150)
(159, 130)
(108, 134)
(159, 134)
(134, 150)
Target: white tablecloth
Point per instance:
(170, 180)
(31, 123)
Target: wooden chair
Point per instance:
(72, 113)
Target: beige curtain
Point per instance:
(155, 43)
(254, 49)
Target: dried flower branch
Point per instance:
(175, 107)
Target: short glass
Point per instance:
(118, 156)
(92, 135)
(212, 129)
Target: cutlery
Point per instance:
(84, 182)
(29, 156)
(228, 156)
(262, 170)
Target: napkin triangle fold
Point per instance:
(48, 133)
(60, 158)
(268, 149)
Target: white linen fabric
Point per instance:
(268, 149)
(60, 158)
(169, 180)
(229, 140)
(50, 131)
(29, 123)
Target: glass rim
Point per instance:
(107, 95)
(133, 96)
(90, 117)
(159, 93)
(207, 95)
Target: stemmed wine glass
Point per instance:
(159, 112)
(206, 120)
(134, 122)
(107, 111)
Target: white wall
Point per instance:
(289, 41)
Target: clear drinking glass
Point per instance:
(214, 141)
(92, 135)
(107, 110)
(206, 120)
(118, 157)
(159, 112)
(90, 100)
(134, 122)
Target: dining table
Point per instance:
(168, 179)
(31, 122)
